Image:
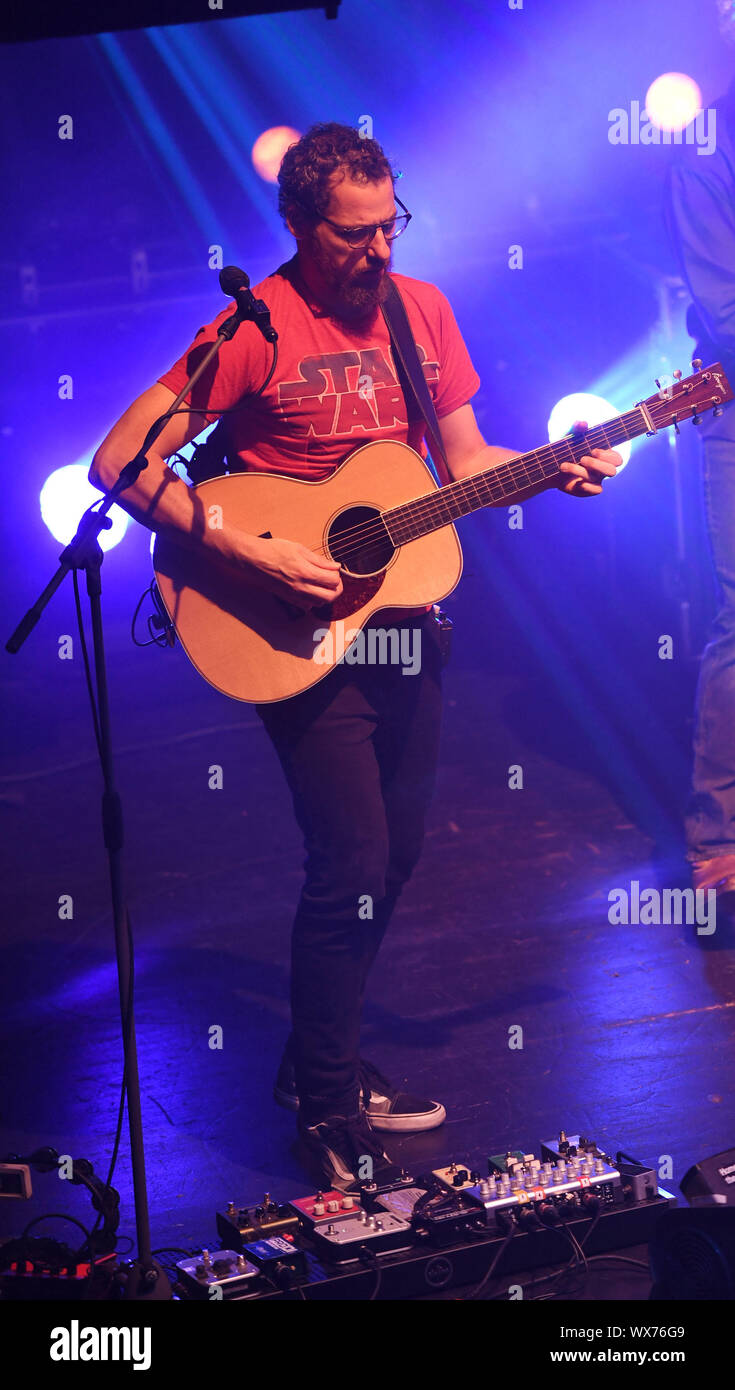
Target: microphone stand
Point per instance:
(145, 1277)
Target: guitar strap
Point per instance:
(411, 377)
(208, 459)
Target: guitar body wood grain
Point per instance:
(251, 645)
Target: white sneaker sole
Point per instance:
(407, 1124)
(390, 1124)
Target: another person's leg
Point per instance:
(710, 822)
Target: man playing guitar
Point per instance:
(359, 748)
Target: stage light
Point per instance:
(269, 149)
(582, 405)
(672, 101)
(66, 493)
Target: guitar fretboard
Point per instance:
(424, 514)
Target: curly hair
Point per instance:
(307, 167)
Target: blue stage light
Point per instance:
(582, 405)
(66, 493)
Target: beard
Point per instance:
(350, 294)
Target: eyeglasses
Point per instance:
(362, 236)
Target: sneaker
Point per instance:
(390, 1109)
(387, 1108)
(341, 1152)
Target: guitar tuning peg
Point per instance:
(658, 383)
(697, 364)
(677, 373)
(696, 419)
(717, 412)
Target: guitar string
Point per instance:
(399, 522)
(429, 506)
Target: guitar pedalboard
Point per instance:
(439, 1229)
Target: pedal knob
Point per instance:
(348, 1203)
(318, 1208)
(333, 1206)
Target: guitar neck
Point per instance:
(508, 480)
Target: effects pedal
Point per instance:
(638, 1182)
(456, 1176)
(400, 1202)
(581, 1180)
(569, 1146)
(512, 1158)
(278, 1258)
(347, 1235)
(442, 1215)
(447, 1221)
(370, 1192)
(237, 1225)
(224, 1269)
(323, 1206)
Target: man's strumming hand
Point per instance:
(286, 568)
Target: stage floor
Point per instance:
(628, 1031)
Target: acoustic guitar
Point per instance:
(387, 523)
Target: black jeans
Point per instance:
(359, 751)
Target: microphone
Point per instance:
(236, 285)
(231, 279)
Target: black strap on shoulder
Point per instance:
(411, 375)
(208, 459)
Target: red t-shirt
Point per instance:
(335, 385)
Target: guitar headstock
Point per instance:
(686, 398)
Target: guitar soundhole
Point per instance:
(358, 539)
